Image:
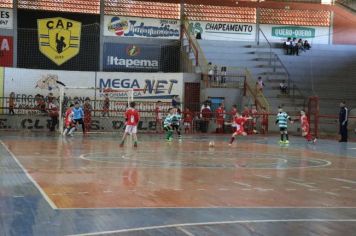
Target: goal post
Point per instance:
(108, 106)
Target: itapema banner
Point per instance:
(280, 33)
(121, 26)
(224, 31)
(131, 57)
(6, 18)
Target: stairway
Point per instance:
(257, 58)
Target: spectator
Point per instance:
(198, 36)
(306, 45)
(12, 103)
(216, 73)
(259, 85)
(301, 45)
(255, 117)
(343, 120)
(295, 48)
(210, 71)
(288, 46)
(283, 87)
(223, 74)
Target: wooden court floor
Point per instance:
(90, 186)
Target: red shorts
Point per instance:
(239, 131)
(220, 121)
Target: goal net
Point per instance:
(104, 109)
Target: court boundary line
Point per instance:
(211, 223)
(206, 208)
(37, 186)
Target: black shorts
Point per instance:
(175, 126)
(282, 129)
(79, 121)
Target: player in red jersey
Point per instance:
(158, 113)
(188, 120)
(87, 114)
(132, 118)
(233, 114)
(68, 120)
(305, 127)
(220, 116)
(239, 121)
(264, 122)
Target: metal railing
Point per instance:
(202, 63)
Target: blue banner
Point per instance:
(131, 57)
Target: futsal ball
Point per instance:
(211, 144)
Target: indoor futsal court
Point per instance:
(52, 185)
(177, 118)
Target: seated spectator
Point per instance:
(306, 45)
(301, 45)
(283, 87)
(295, 48)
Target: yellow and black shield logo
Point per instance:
(59, 38)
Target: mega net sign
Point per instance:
(224, 31)
(121, 26)
(131, 57)
(145, 85)
(280, 33)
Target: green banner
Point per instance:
(293, 32)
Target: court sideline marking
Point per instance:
(44, 195)
(212, 223)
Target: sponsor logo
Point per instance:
(131, 63)
(118, 25)
(293, 32)
(131, 27)
(212, 27)
(133, 50)
(59, 38)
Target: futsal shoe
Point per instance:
(135, 145)
(286, 142)
(314, 140)
(122, 144)
(281, 142)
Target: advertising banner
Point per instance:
(145, 85)
(280, 33)
(121, 26)
(224, 31)
(26, 83)
(131, 57)
(59, 38)
(6, 51)
(6, 18)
